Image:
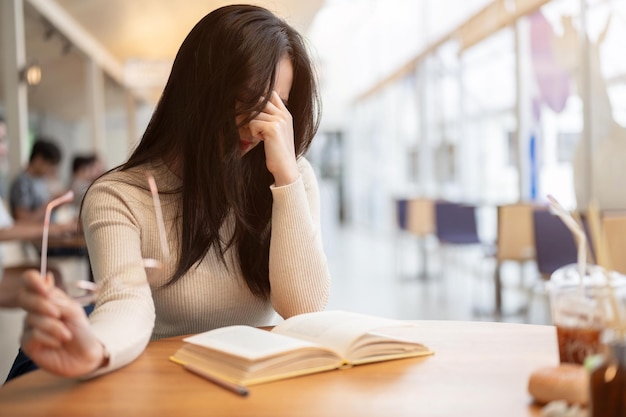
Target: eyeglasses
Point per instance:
(165, 248)
(82, 288)
(86, 292)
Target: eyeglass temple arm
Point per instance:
(65, 198)
(165, 249)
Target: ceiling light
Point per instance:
(31, 74)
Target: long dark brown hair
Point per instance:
(228, 59)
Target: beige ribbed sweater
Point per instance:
(120, 227)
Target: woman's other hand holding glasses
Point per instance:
(57, 333)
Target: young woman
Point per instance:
(240, 205)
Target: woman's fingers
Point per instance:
(272, 122)
(46, 330)
(71, 309)
(275, 106)
(33, 338)
(49, 280)
(33, 282)
(278, 102)
(265, 129)
(50, 330)
(274, 126)
(66, 344)
(55, 304)
(37, 304)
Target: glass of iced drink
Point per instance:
(583, 309)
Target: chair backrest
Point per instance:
(614, 234)
(401, 213)
(421, 216)
(516, 236)
(455, 223)
(555, 245)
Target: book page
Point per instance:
(338, 330)
(388, 343)
(247, 342)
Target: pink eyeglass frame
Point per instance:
(91, 288)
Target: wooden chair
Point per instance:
(516, 235)
(421, 217)
(515, 242)
(421, 223)
(614, 235)
(416, 216)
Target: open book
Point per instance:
(300, 345)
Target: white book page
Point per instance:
(247, 342)
(338, 330)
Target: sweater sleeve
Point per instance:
(299, 276)
(123, 318)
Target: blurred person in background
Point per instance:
(10, 230)
(4, 162)
(30, 191)
(85, 170)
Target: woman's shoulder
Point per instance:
(306, 171)
(117, 178)
(127, 184)
(304, 166)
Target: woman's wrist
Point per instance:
(287, 176)
(105, 357)
(101, 358)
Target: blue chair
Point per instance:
(455, 228)
(555, 245)
(401, 213)
(455, 223)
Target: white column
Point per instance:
(586, 178)
(467, 174)
(15, 94)
(425, 150)
(523, 111)
(425, 154)
(95, 105)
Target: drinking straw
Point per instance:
(590, 255)
(604, 260)
(595, 229)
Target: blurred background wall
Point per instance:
(481, 100)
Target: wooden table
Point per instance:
(69, 241)
(479, 369)
(76, 241)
